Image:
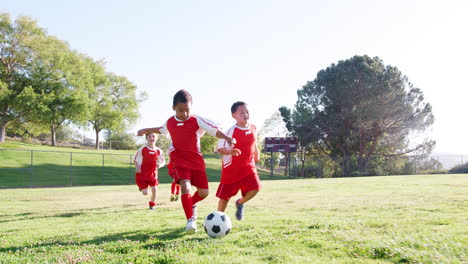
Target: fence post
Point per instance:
(32, 168)
(271, 165)
(130, 168)
(71, 168)
(102, 177)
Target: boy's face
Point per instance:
(182, 110)
(241, 115)
(151, 138)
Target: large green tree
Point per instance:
(358, 109)
(116, 105)
(18, 40)
(62, 78)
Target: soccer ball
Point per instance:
(217, 224)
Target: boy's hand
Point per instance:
(231, 141)
(138, 169)
(235, 152)
(141, 132)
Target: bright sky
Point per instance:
(263, 51)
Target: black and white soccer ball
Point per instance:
(217, 224)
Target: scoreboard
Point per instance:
(280, 144)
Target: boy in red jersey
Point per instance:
(239, 171)
(189, 167)
(147, 161)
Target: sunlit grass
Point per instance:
(399, 219)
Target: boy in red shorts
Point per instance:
(185, 130)
(239, 171)
(147, 161)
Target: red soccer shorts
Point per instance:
(197, 178)
(249, 183)
(144, 183)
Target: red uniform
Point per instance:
(239, 172)
(185, 148)
(148, 160)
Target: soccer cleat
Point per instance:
(176, 197)
(194, 211)
(172, 199)
(151, 205)
(191, 226)
(239, 211)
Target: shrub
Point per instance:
(463, 168)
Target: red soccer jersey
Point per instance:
(237, 167)
(185, 137)
(149, 160)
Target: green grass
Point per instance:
(398, 219)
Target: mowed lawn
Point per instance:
(397, 219)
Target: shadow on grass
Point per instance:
(163, 238)
(31, 216)
(53, 175)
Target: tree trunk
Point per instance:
(52, 135)
(97, 138)
(3, 131)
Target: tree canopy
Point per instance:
(358, 109)
(46, 83)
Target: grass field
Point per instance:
(399, 219)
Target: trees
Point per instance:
(60, 78)
(17, 44)
(45, 83)
(116, 104)
(357, 109)
(208, 144)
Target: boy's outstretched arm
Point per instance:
(143, 131)
(231, 141)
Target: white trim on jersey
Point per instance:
(163, 129)
(138, 156)
(161, 158)
(207, 125)
(222, 143)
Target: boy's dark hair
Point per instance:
(147, 134)
(235, 105)
(182, 96)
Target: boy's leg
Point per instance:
(240, 203)
(186, 198)
(222, 204)
(191, 226)
(199, 195)
(250, 186)
(144, 191)
(173, 188)
(177, 192)
(154, 190)
(224, 193)
(248, 195)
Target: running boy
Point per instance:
(189, 167)
(147, 161)
(239, 171)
